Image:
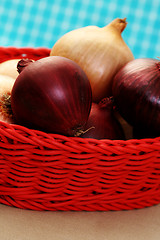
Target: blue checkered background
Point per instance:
(40, 23)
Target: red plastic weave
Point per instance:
(42, 171)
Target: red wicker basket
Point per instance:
(42, 171)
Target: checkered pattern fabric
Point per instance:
(40, 23)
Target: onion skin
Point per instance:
(102, 123)
(6, 85)
(24, 62)
(9, 68)
(127, 128)
(52, 94)
(136, 91)
(139, 133)
(100, 52)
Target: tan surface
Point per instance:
(17, 224)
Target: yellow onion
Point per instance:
(9, 68)
(6, 85)
(100, 52)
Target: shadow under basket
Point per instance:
(41, 171)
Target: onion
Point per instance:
(127, 128)
(9, 68)
(102, 122)
(52, 94)
(6, 85)
(142, 132)
(22, 64)
(100, 52)
(136, 90)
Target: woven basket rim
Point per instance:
(10, 48)
(17, 127)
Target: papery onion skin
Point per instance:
(102, 123)
(127, 128)
(24, 62)
(100, 52)
(52, 94)
(6, 85)
(136, 90)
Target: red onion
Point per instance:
(52, 94)
(102, 122)
(143, 132)
(136, 90)
(22, 64)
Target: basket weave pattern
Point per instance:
(41, 171)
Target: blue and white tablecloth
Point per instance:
(40, 23)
